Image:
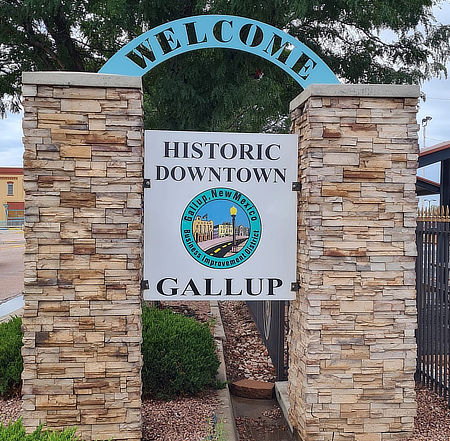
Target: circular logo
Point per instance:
(221, 228)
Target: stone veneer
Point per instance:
(352, 346)
(82, 317)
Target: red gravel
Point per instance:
(245, 353)
(186, 419)
(10, 410)
(183, 419)
(433, 417)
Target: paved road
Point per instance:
(222, 249)
(12, 247)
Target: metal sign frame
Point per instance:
(220, 216)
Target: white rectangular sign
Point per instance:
(220, 216)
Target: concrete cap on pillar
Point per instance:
(356, 91)
(83, 79)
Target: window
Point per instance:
(10, 188)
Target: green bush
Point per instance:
(179, 354)
(16, 432)
(10, 356)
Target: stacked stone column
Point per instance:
(82, 317)
(352, 345)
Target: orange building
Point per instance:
(12, 197)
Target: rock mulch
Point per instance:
(433, 417)
(245, 353)
(10, 409)
(183, 419)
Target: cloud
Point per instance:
(11, 146)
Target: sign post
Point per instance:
(220, 216)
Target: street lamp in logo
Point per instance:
(233, 212)
(209, 236)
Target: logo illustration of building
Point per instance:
(202, 229)
(242, 231)
(12, 197)
(225, 229)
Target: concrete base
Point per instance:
(281, 394)
(225, 412)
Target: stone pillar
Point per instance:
(82, 317)
(352, 346)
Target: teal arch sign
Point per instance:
(159, 44)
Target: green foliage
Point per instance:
(15, 431)
(216, 89)
(10, 356)
(179, 354)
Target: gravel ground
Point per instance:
(10, 409)
(247, 357)
(245, 353)
(183, 419)
(433, 417)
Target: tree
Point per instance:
(217, 89)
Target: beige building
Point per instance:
(12, 196)
(202, 229)
(225, 229)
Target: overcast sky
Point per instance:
(437, 105)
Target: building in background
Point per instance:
(435, 191)
(225, 229)
(12, 197)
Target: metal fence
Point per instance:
(433, 302)
(271, 320)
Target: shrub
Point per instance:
(10, 356)
(179, 354)
(16, 432)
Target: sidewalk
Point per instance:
(12, 248)
(218, 241)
